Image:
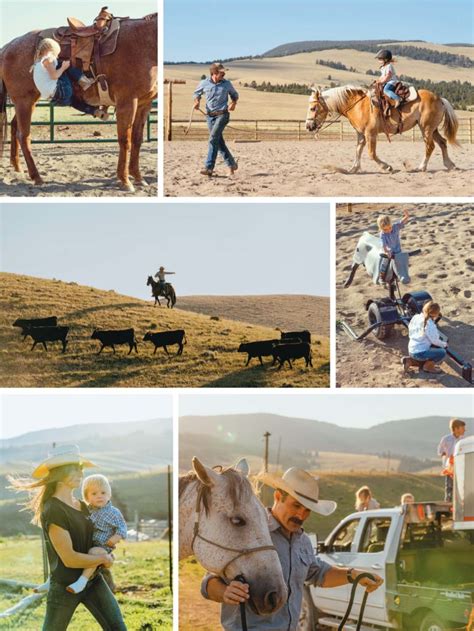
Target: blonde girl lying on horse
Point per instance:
(54, 80)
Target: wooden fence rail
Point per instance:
(288, 129)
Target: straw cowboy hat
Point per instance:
(302, 487)
(60, 456)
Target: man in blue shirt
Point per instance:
(217, 90)
(296, 496)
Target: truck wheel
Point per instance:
(384, 330)
(307, 621)
(432, 622)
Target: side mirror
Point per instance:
(322, 547)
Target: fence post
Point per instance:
(51, 122)
(256, 130)
(169, 118)
(470, 130)
(413, 134)
(299, 130)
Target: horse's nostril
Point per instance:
(271, 600)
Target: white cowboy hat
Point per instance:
(60, 456)
(302, 487)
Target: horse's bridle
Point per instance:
(321, 117)
(240, 552)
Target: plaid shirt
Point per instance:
(107, 521)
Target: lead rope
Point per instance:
(357, 580)
(243, 614)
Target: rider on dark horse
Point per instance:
(161, 276)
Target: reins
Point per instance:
(338, 118)
(239, 552)
(186, 131)
(360, 619)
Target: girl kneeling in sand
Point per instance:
(55, 83)
(425, 343)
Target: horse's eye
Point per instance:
(237, 521)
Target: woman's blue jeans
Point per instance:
(96, 597)
(64, 94)
(216, 126)
(388, 90)
(434, 353)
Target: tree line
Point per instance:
(459, 94)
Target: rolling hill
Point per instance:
(224, 439)
(286, 312)
(209, 357)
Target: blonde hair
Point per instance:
(407, 498)
(97, 481)
(430, 309)
(383, 221)
(44, 46)
(40, 491)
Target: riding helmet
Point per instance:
(384, 55)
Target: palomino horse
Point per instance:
(167, 292)
(428, 111)
(131, 73)
(223, 523)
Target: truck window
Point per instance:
(375, 535)
(343, 538)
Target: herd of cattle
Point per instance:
(292, 345)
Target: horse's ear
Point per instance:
(205, 474)
(315, 91)
(243, 467)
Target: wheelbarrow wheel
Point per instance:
(384, 330)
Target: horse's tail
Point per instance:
(172, 296)
(3, 116)
(451, 122)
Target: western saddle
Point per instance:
(85, 46)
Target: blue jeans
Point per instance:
(216, 126)
(388, 90)
(64, 93)
(96, 597)
(434, 353)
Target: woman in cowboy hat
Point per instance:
(296, 495)
(67, 531)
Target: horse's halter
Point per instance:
(240, 552)
(320, 110)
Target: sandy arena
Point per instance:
(81, 170)
(306, 168)
(445, 269)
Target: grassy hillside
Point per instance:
(146, 494)
(290, 313)
(209, 358)
(302, 68)
(140, 571)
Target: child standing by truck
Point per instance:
(446, 449)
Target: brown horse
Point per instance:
(428, 111)
(131, 73)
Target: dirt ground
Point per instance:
(445, 269)
(80, 170)
(307, 168)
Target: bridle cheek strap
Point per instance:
(239, 552)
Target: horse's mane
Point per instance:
(238, 486)
(336, 98)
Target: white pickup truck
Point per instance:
(427, 566)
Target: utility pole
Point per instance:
(266, 436)
(169, 113)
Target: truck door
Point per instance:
(340, 552)
(372, 557)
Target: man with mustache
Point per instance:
(296, 495)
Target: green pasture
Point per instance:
(141, 573)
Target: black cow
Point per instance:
(43, 334)
(264, 348)
(167, 338)
(286, 352)
(302, 336)
(27, 323)
(116, 337)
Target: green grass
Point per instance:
(141, 574)
(210, 357)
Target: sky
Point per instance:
(215, 30)
(20, 16)
(29, 412)
(347, 410)
(214, 248)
